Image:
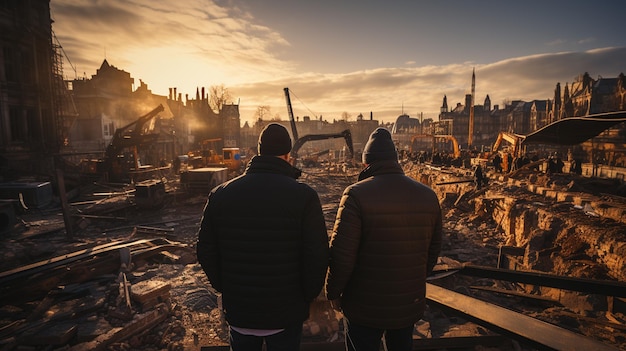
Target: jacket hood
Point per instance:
(272, 164)
(381, 167)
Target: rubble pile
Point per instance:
(562, 224)
(128, 278)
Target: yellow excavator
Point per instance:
(515, 149)
(207, 156)
(433, 138)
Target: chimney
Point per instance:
(175, 94)
(170, 95)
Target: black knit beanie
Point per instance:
(379, 147)
(274, 140)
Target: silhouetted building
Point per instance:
(31, 89)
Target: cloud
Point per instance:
(386, 91)
(135, 34)
(205, 43)
(586, 40)
(556, 42)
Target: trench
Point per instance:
(546, 230)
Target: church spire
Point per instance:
(471, 117)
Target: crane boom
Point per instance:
(294, 131)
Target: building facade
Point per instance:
(31, 89)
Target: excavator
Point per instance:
(514, 139)
(434, 137)
(515, 149)
(120, 156)
(299, 141)
(207, 156)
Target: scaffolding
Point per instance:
(66, 112)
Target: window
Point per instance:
(18, 125)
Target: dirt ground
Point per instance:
(193, 318)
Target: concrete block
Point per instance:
(551, 194)
(582, 200)
(541, 190)
(150, 193)
(35, 195)
(148, 290)
(564, 197)
(203, 178)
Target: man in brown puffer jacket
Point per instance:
(385, 242)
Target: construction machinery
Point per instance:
(514, 139)
(207, 156)
(514, 149)
(312, 159)
(299, 141)
(433, 139)
(121, 155)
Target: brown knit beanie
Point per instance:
(379, 147)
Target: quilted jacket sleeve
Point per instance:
(344, 246)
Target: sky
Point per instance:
(345, 58)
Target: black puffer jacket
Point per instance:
(386, 240)
(263, 244)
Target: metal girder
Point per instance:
(506, 322)
(40, 266)
(448, 343)
(590, 286)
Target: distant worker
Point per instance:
(176, 164)
(479, 177)
(385, 242)
(497, 163)
(559, 164)
(263, 244)
(576, 166)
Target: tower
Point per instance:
(471, 116)
(444, 106)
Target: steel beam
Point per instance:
(506, 322)
(432, 344)
(590, 286)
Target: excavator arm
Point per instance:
(514, 139)
(121, 139)
(346, 134)
(433, 137)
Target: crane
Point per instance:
(299, 141)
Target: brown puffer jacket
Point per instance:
(386, 240)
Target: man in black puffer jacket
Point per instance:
(386, 240)
(263, 244)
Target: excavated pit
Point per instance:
(548, 224)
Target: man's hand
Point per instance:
(336, 304)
